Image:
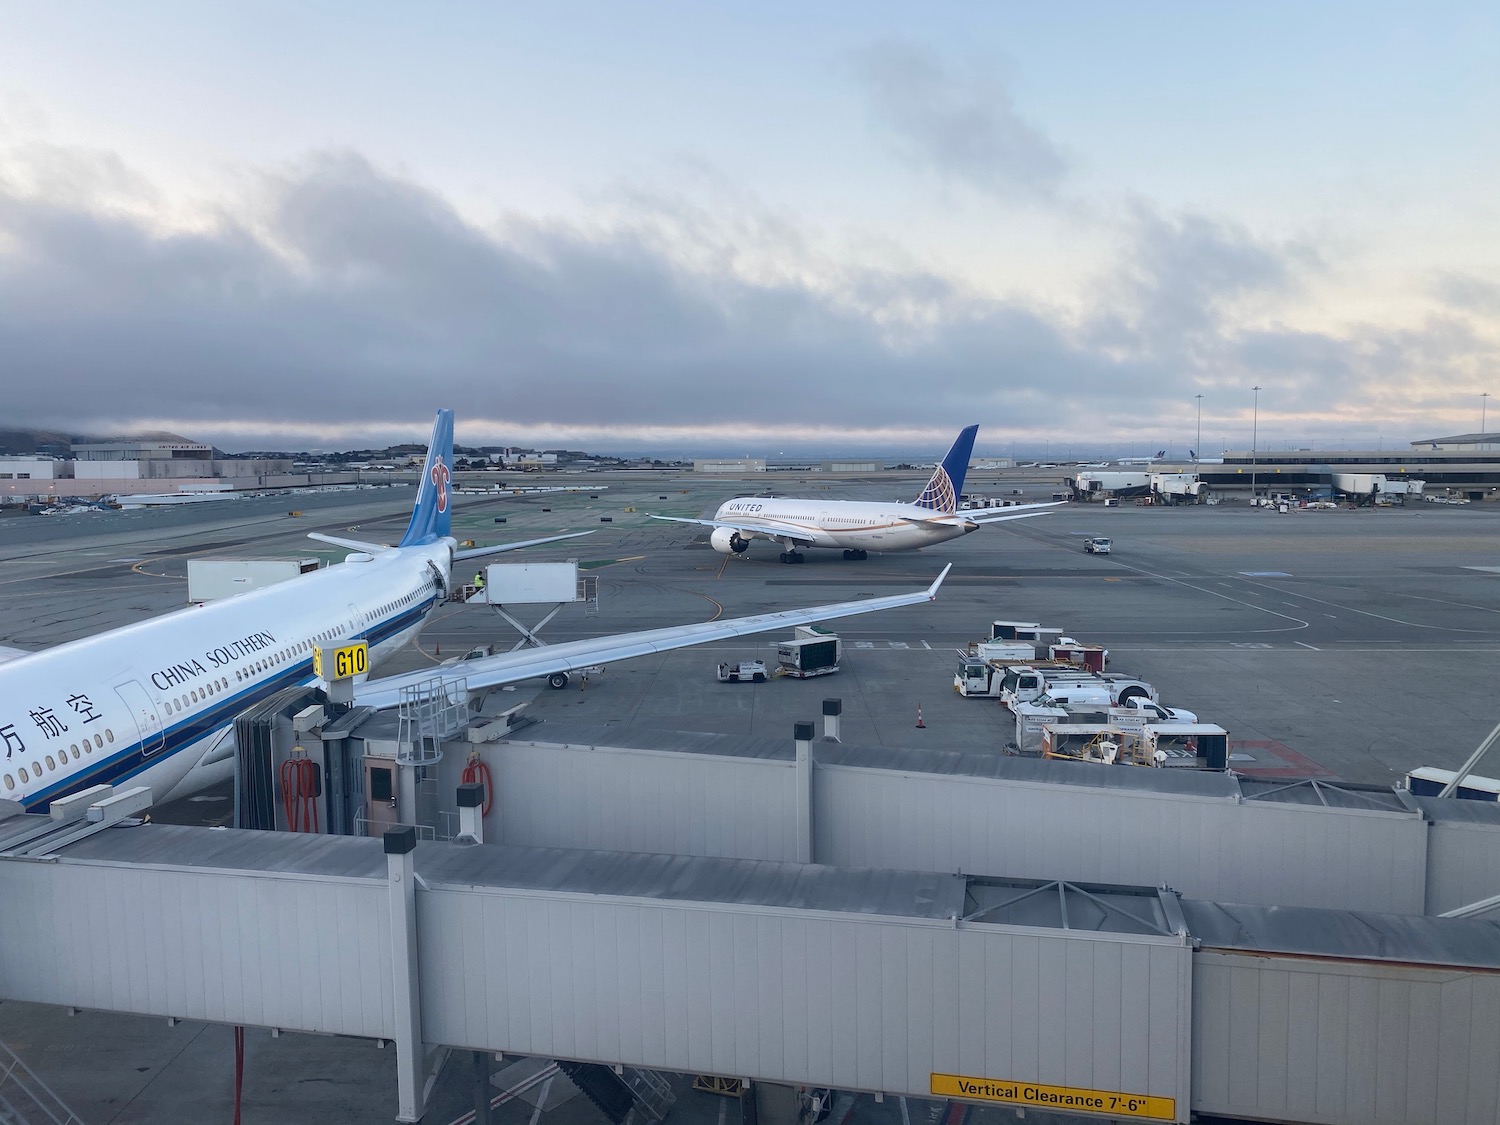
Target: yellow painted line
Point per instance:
(1062, 1099)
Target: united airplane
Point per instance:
(154, 703)
(859, 526)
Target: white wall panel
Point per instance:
(279, 952)
(1463, 865)
(852, 1002)
(643, 801)
(1327, 1041)
(1252, 852)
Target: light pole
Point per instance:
(1198, 449)
(1254, 439)
(1483, 402)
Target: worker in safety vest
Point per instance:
(479, 580)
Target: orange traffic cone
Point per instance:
(920, 724)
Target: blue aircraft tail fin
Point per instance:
(947, 483)
(430, 514)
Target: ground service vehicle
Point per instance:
(1097, 546)
(1022, 684)
(746, 671)
(1156, 713)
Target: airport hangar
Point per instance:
(803, 915)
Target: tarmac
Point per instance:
(1349, 644)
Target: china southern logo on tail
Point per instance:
(441, 476)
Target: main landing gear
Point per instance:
(857, 556)
(792, 557)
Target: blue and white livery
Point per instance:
(154, 703)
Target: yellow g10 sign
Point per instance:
(341, 663)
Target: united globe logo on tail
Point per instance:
(939, 494)
(947, 483)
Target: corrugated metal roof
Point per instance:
(1345, 934)
(792, 886)
(232, 849)
(1441, 810)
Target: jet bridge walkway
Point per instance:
(1128, 1002)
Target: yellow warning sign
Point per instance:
(1064, 1098)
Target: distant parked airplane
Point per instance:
(154, 703)
(860, 526)
(1160, 455)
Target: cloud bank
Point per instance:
(337, 299)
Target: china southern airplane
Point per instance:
(154, 703)
(860, 526)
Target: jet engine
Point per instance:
(728, 541)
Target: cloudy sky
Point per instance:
(751, 227)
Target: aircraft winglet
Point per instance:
(936, 582)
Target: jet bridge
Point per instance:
(1119, 1001)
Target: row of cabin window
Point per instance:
(61, 760)
(175, 704)
(405, 599)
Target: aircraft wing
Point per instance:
(987, 515)
(1001, 519)
(458, 556)
(479, 552)
(508, 668)
(748, 528)
(983, 515)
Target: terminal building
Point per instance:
(157, 463)
(730, 465)
(1463, 465)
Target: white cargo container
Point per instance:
(530, 583)
(211, 580)
(811, 652)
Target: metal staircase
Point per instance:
(25, 1099)
(617, 1092)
